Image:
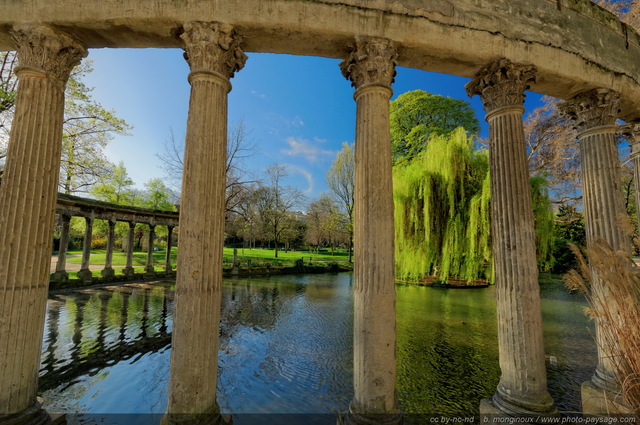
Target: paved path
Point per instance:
(74, 267)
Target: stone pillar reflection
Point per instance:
(85, 272)
(128, 270)
(167, 258)
(61, 274)
(371, 69)
(594, 116)
(108, 272)
(152, 236)
(213, 53)
(522, 389)
(27, 211)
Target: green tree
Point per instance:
(417, 115)
(340, 179)
(116, 188)
(87, 129)
(325, 223)
(569, 228)
(157, 196)
(442, 212)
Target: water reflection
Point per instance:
(286, 347)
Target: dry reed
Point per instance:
(616, 308)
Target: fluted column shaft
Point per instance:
(594, 114)
(152, 236)
(108, 266)
(371, 68)
(522, 388)
(128, 270)
(167, 258)
(631, 132)
(27, 211)
(213, 54)
(84, 273)
(61, 264)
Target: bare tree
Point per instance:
(8, 80)
(553, 151)
(275, 203)
(340, 179)
(8, 85)
(239, 148)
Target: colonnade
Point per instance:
(61, 274)
(214, 53)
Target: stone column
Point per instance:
(128, 270)
(167, 258)
(371, 69)
(61, 274)
(152, 236)
(235, 270)
(85, 272)
(108, 272)
(631, 132)
(27, 211)
(522, 389)
(594, 116)
(213, 53)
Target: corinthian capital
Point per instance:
(43, 49)
(631, 132)
(213, 46)
(593, 108)
(372, 61)
(502, 83)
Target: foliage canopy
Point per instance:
(417, 115)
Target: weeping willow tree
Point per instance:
(442, 212)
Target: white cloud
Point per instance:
(258, 94)
(304, 148)
(297, 122)
(296, 169)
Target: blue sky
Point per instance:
(298, 110)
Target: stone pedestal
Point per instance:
(213, 53)
(522, 390)
(594, 115)
(371, 68)
(27, 211)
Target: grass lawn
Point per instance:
(258, 257)
(99, 256)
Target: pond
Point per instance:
(286, 347)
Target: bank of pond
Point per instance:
(286, 347)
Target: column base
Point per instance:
(60, 277)
(149, 271)
(496, 407)
(128, 271)
(35, 415)
(85, 275)
(599, 401)
(108, 272)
